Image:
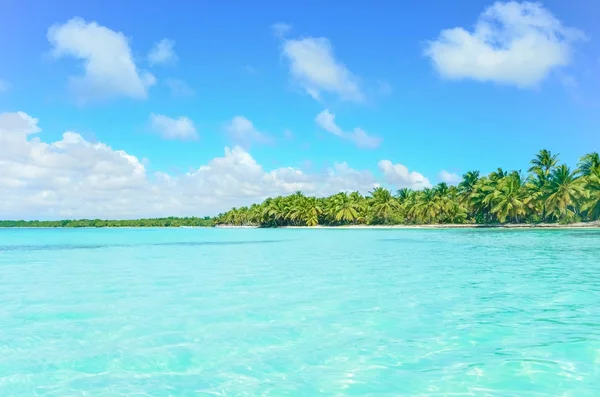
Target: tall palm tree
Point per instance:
(542, 166)
(343, 209)
(587, 163)
(508, 199)
(427, 206)
(543, 162)
(563, 191)
(497, 175)
(383, 204)
(275, 210)
(592, 201)
(467, 185)
(404, 194)
(466, 190)
(362, 206)
(311, 211)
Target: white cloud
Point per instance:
(179, 88)
(314, 67)
(3, 86)
(512, 43)
(162, 52)
(181, 128)
(109, 68)
(449, 177)
(360, 137)
(242, 132)
(399, 176)
(75, 178)
(364, 140)
(281, 29)
(326, 120)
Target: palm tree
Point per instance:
(361, 205)
(592, 201)
(403, 195)
(587, 163)
(508, 199)
(466, 190)
(383, 204)
(343, 209)
(311, 211)
(543, 163)
(275, 210)
(563, 191)
(497, 175)
(541, 168)
(467, 185)
(427, 206)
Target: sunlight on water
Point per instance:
(209, 312)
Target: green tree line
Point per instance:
(548, 193)
(150, 222)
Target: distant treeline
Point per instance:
(548, 193)
(150, 222)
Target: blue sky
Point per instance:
(389, 80)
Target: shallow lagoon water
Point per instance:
(294, 312)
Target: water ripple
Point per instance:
(300, 313)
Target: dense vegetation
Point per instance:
(156, 222)
(549, 193)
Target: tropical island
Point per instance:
(550, 194)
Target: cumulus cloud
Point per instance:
(108, 66)
(162, 52)
(181, 128)
(511, 43)
(358, 136)
(243, 132)
(399, 176)
(314, 67)
(74, 178)
(326, 120)
(449, 177)
(179, 88)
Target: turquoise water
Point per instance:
(242, 312)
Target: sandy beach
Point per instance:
(578, 225)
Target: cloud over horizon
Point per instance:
(75, 178)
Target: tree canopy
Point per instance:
(155, 222)
(549, 193)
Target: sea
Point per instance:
(299, 312)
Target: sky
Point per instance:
(139, 109)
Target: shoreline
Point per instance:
(579, 225)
